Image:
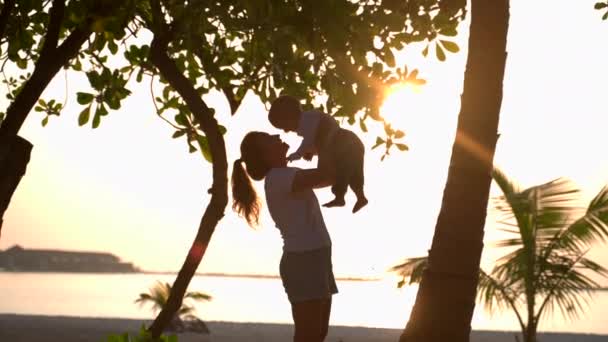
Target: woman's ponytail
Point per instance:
(244, 198)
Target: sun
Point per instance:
(402, 105)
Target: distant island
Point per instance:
(19, 259)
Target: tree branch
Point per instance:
(219, 190)
(52, 35)
(5, 14)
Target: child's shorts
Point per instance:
(308, 275)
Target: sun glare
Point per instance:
(401, 105)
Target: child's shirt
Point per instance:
(307, 129)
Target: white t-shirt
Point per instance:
(297, 215)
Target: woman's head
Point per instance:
(260, 152)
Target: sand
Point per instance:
(27, 328)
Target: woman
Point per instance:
(305, 268)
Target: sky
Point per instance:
(129, 189)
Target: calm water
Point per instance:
(359, 303)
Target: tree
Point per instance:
(546, 268)
(446, 297)
(158, 296)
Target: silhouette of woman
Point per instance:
(306, 267)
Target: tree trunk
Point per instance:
(530, 333)
(219, 189)
(446, 298)
(13, 168)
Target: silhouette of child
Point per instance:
(336, 147)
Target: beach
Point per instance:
(33, 328)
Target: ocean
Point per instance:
(374, 303)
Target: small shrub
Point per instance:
(143, 336)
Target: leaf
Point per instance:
(425, 52)
(600, 5)
(439, 52)
(388, 129)
(101, 110)
(399, 134)
(389, 57)
(379, 141)
(413, 75)
(222, 129)
(84, 98)
(363, 125)
(178, 134)
(112, 47)
(39, 109)
(605, 16)
(451, 32)
(77, 65)
(377, 69)
(402, 147)
(22, 63)
(96, 120)
(45, 121)
(83, 118)
(450, 46)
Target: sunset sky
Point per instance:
(129, 189)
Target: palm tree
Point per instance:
(546, 267)
(158, 295)
(446, 298)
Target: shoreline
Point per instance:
(38, 328)
(210, 274)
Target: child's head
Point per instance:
(285, 113)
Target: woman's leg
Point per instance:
(325, 313)
(311, 320)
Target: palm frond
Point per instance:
(159, 293)
(185, 310)
(566, 286)
(412, 269)
(143, 298)
(198, 296)
(507, 186)
(592, 226)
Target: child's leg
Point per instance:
(343, 170)
(357, 179)
(340, 183)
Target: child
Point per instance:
(322, 136)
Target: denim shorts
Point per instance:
(308, 275)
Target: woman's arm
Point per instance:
(311, 179)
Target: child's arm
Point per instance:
(305, 150)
